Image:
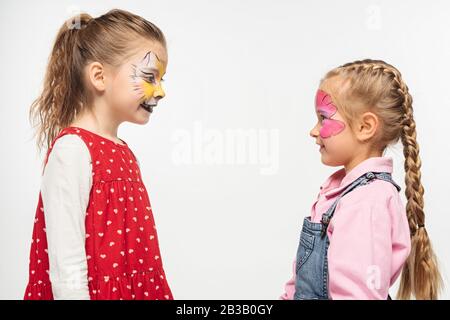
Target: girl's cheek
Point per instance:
(148, 89)
(331, 128)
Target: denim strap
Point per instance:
(361, 181)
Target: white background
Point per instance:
(227, 231)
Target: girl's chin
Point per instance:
(326, 160)
(142, 121)
(324, 157)
(141, 117)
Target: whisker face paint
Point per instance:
(147, 78)
(326, 109)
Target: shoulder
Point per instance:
(374, 210)
(70, 148)
(376, 192)
(70, 140)
(69, 163)
(378, 197)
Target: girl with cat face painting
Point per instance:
(94, 233)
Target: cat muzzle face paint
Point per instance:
(147, 78)
(326, 109)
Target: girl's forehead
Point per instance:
(323, 99)
(148, 62)
(334, 88)
(157, 49)
(150, 53)
(329, 85)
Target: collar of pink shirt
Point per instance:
(339, 180)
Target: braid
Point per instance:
(420, 276)
(414, 190)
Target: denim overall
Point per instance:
(312, 265)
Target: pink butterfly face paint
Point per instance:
(326, 109)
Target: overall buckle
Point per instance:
(325, 221)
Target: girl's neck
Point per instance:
(99, 123)
(358, 159)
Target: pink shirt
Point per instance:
(369, 234)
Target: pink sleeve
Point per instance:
(360, 251)
(289, 287)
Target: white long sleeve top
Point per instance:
(65, 189)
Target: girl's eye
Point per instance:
(150, 78)
(322, 117)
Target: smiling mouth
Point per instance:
(148, 107)
(322, 147)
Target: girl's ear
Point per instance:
(96, 76)
(367, 126)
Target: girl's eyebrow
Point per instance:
(149, 70)
(324, 107)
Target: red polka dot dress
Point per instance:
(122, 251)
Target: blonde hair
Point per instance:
(81, 40)
(376, 86)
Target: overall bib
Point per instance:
(312, 265)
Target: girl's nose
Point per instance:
(159, 93)
(314, 132)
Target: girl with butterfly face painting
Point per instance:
(94, 233)
(359, 236)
